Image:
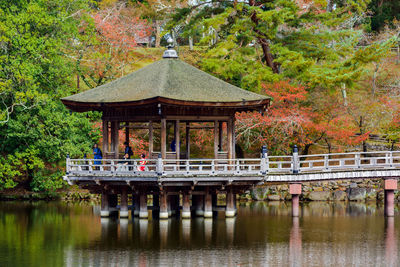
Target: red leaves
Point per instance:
(119, 29)
(293, 119)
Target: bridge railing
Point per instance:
(236, 167)
(349, 161)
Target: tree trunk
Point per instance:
(190, 43)
(329, 6)
(263, 41)
(158, 33)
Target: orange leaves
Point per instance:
(293, 119)
(119, 28)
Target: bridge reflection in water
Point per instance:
(262, 234)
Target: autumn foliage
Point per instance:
(291, 119)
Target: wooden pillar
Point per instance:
(151, 143)
(233, 138)
(390, 186)
(163, 138)
(136, 201)
(216, 139)
(115, 139)
(177, 140)
(156, 201)
(188, 140)
(186, 205)
(105, 138)
(123, 212)
(230, 205)
(295, 191)
(143, 213)
(207, 204)
(105, 207)
(127, 132)
(220, 135)
(163, 205)
(229, 138)
(198, 204)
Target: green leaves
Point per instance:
(35, 128)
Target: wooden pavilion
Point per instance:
(167, 92)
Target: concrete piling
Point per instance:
(390, 186)
(295, 191)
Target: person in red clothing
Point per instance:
(142, 163)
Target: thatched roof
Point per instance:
(171, 80)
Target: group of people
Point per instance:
(128, 153)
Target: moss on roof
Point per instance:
(168, 78)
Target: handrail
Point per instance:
(315, 163)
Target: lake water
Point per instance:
(263, 234)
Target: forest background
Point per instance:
(331, 67)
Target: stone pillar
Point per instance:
(105, 206)
(390, 186)
(143, 212)
(207, 204)
(164, 205)
(123, 212)
(230, 206)
(198, 204)
(186, 205)
(295, 191)
(234, 202)
(170, 201)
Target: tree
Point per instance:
(36, 129)
(110, 48)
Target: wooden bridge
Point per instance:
(200, 177)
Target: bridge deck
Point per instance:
(292, 168)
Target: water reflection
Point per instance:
(391, 251)
(263, 233)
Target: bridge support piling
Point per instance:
(143, 212)
(207, 204)
(390, 186)
(136, 205)
(295, 191)
(123, 212)
(164, 205)
(105, 207)
(186, 205)
(198, 203)
(230, 203)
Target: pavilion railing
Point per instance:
(236, 167)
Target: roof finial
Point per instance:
(170, 52)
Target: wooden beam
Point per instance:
(105, 137)
(151, 143)
(163, 138)
(177, 140)
(198, 118)
(216, 139)
(188, 140)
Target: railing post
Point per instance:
(264, 160)
(85, 162)
(358, 160)
(68, 165)
(391, 158)
(326, 162)
(295, 159)
(159, 165)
